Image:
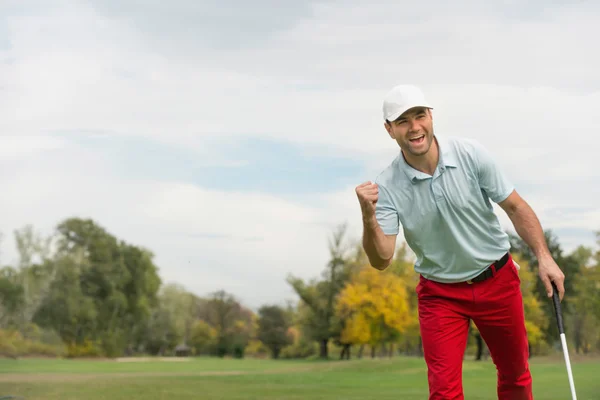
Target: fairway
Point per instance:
(227, 379)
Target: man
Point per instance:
(440, 190)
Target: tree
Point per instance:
(35, 270)
(177, 304)
(11, 296)
(403, 266)
(597, 253)
(568, 264)
(160, 332)
(140, 292)
(66, 308)
(375, 307)
(273, 326)
(597, 276)
(96, 288)
(320, 296)
(584, 318)
(203, 337)
(536, 319)
(232, 322)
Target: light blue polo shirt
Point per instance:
(447, 219)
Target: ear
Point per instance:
(388, 128)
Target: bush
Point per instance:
(32, 332)
(301, 349)
(221, 350)
(88, 348)
(238, 351)
(42, 349)
(203, 338)
(8, 349)
(256, 348)
(112, 345)
(13, 344)
(51, 338)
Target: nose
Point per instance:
(414, 126)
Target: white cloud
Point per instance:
(246, 243)
(19, 147)
(522, 81)
(112, 77)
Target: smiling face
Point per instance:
(413, 131)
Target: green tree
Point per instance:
(140, 292)
(203, 337)
(320, 295)
(12, 296)
(233, 323)
(35, 270)
(171, 319)
(96, 288)
(273, 326)
(569, 266)
(66, 309)
(585, 316)
(597, 277)
(160, 332)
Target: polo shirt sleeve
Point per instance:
(386, 213)
(491, 178)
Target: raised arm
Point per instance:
(378, 246)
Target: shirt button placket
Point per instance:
(437, 191)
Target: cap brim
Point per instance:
(397, 115)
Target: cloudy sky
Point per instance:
(228, 136)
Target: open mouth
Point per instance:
(418, 139)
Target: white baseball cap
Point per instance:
(402, 98)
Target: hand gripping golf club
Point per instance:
(563, 340)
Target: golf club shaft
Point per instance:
(563, 339)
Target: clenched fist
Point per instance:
(368, 194)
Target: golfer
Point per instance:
(439, 189)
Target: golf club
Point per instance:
(563, 340)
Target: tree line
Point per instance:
(82, 292)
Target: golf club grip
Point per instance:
(557, 309)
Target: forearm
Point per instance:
(377, 245)
(528, 227)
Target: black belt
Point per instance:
(489, 271)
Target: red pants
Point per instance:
(496, 307)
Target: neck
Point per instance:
(425, 163)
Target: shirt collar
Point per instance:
(447, 159)
(448, 153)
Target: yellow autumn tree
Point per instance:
(536, 321)
(403, 266)
(203, 337)
(374, 306)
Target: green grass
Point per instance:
(216, 379)
(194, 365)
